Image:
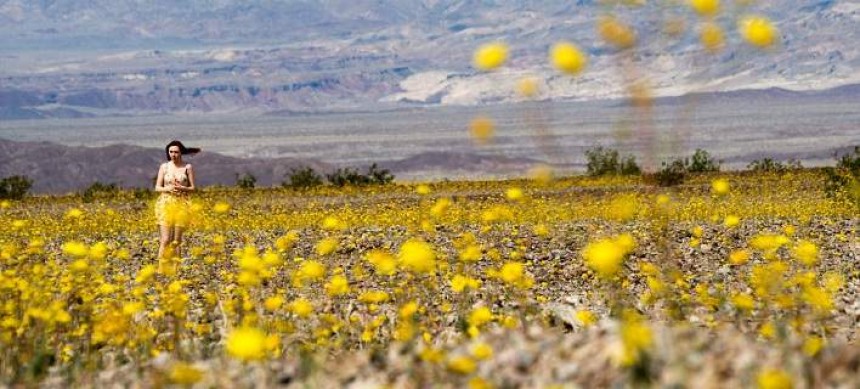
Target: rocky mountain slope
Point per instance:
(79, 58)
(55, 168)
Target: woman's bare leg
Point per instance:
(165, 239)
(177, 240)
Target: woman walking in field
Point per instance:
(175, 182)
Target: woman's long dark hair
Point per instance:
(182, 149)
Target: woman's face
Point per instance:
(174, 153)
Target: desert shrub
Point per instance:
(603, 161)
(99, 190)
(379, 176)
(303, 177)
(770, 165)
(344, 176)
(15, 187)
(702, 162)
(671, 174)
(246, 181)
(349, 176)
(843, 181)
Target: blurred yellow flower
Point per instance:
(408, 310)
(246, 344)
(490, 56)
(462, 365)
(512, 272)
(221, 207)
(460, 283)
(373, 297)
(743, 301)
(605, 256)
(758, 31)
(567, 58)
(482, 129)
(301, 307)
(514, 194)
(273, 303)
(311, 270)
(326, 246)
(739, 257)
(417, 256)
(812, 345)
(541, 173)
(482, 351)
(774, 379)
(731, 221)
(422, 189)
(705, 7)
(527, 87)
(74, 213)
(440, 207)
(585, 317)
(615, 32)
(479, 316)
(184, 374)
(806, 252)
(713, 40)
(75, 249)
(331, 223)
(338, 285)
(720, 186)
(383, 263)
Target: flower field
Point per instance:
(731, 280)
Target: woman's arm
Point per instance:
(159, 182)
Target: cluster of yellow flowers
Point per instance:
(268, 280)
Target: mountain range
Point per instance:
(57, 169)
(85, 58)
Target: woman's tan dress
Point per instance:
(174, 209)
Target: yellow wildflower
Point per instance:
(326, 246)
(739, 257)
(462, 365)
(567, 58)
(720, 186)
(774, 379)
(482, 351)
(273, 303)
(338, 285)
(758, 31)
(605, 256)
(482, 129)
(585, 317)
(490, 56)
(221, 207)
(514, 194)
(246, 344)
(616, 32)
(311, 270)
(806, 252)
(301, 307)
(527, 87)
(417, 256)
(480, 316)
(184, 374)
(812, 345)
(75, 249)
(383, 263)
(705, 7)
(731, 221)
